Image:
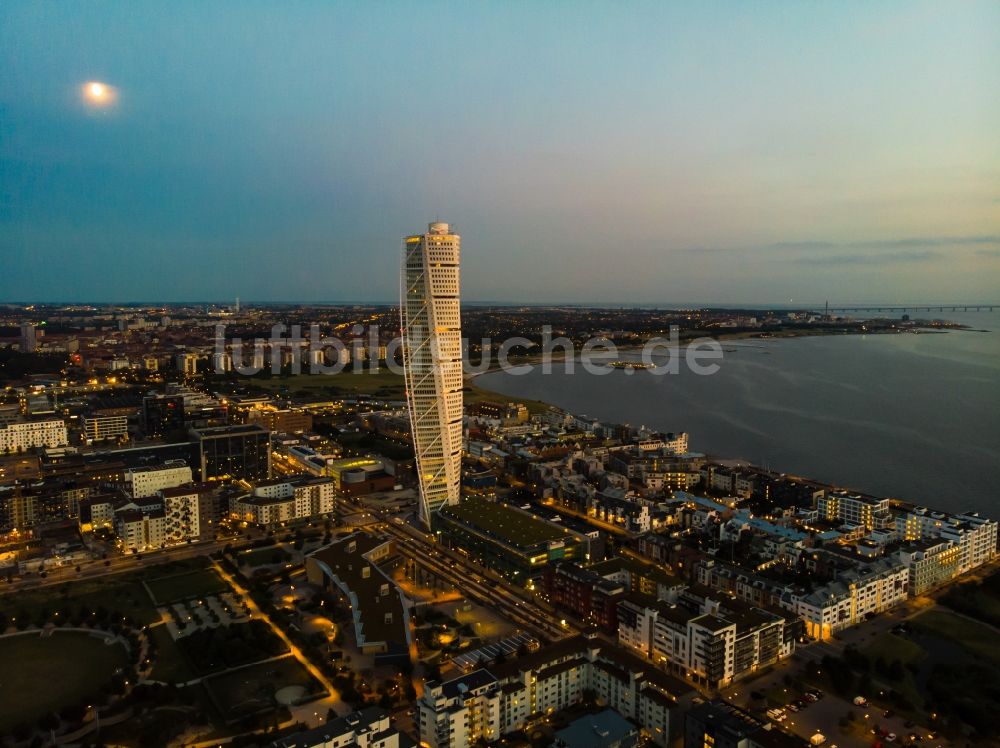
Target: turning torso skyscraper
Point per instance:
(432, 360)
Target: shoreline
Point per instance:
(560, 354)
(902, 493)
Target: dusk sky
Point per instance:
(618, 152)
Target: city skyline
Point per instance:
(692, 447)
(831, 153)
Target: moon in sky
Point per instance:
(99, 95)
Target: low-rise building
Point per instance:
(718, 724)
(607, 729)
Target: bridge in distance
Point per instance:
(911, 308)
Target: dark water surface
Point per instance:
(913, 416)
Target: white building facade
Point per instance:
(15, 437)
(432, 359)
(141, 482)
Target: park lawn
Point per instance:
(42, 675)
(473, 393)
(365, 382)
(891, 647)
(119, 593)
(171, 665)
(186, 585)
(979, 640)
(979, 602)
(383, 382)
(273, 554)
(253, 688)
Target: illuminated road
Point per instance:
(338, 705)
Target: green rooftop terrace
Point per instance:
(506, 524)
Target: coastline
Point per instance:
(728, 434)
(532, 359)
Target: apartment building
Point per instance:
(138, 530)
(460, 712)
(367, 728)
(975, 535)
(931, 563)
(854, 509)
(529, 688)
(168, 517)
(96, 428)
(867, 588)
(379, 610)
(146, 481)
(703, 641)
(24, 435)
(283, 500)
(586, 593)
(559, 675)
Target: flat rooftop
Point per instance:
(508, 525)
(601, 730)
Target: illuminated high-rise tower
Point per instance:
(432, 361)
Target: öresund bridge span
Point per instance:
(912, 308)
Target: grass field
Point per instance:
(253, 688)
(40, 675)
(186, 585)
(383, 382)
(473, 394)
(365, 382)
(979, 640)
(891, 647)
(274, 554)
(121, 593)
(171, 665)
